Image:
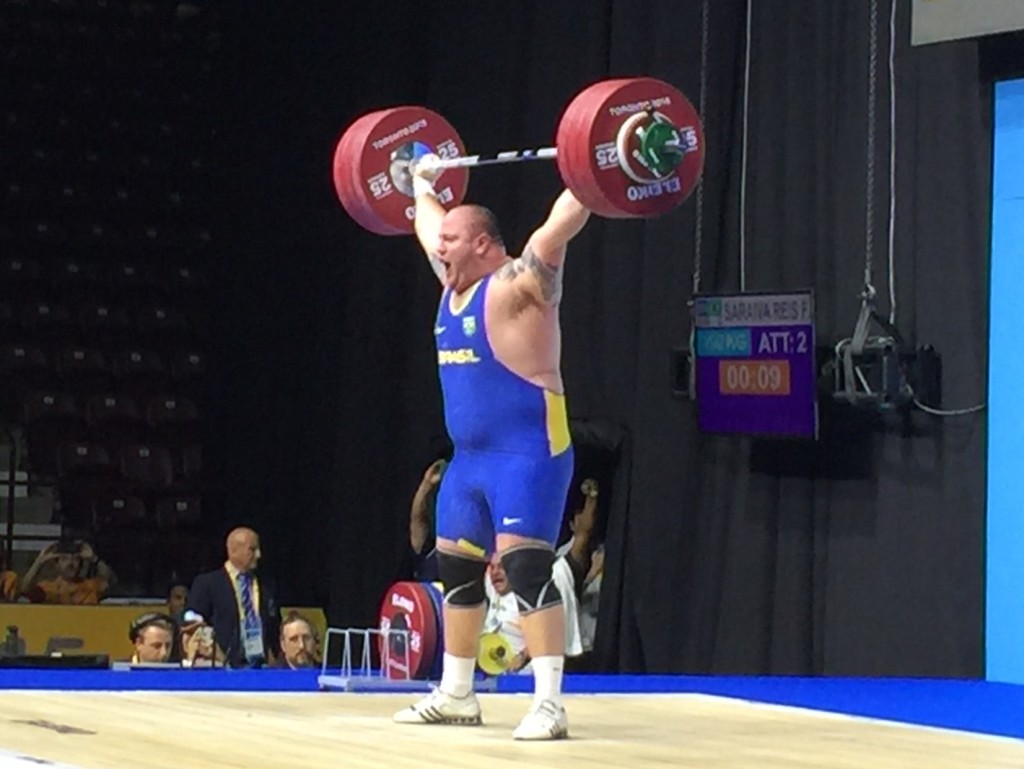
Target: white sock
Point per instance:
(547, 678)
(457, 675)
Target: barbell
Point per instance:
(627, 148)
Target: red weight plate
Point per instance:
(348, 193)
(436, 592)
(348, 172)
(370, 186)
(409, 606)
(606, 181)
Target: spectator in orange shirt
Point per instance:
(81, 579)
(8, 581)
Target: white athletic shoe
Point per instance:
(545, 721)
(440, 708)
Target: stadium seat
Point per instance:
(114, 420)
(84, 370)
(141, 372)
(50, 419)
(178, 511)
(114, 510)
(146, 466)
(80, 460)
(174, 420)
(23, 369)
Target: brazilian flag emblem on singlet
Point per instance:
(469, 325)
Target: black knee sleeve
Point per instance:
(529, 575)
(463, 579)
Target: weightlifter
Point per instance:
(499, 346)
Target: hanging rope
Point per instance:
(869, 208)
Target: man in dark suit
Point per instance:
(241, 607)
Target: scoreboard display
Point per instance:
(755, 364)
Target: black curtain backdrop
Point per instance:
(861, 554)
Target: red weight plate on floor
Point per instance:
(409, 606)
(369, 175)
(436, 592)
(596, 149)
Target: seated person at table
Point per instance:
(298, 644)
(153, 638)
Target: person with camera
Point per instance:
(153, 636)
(81, 578)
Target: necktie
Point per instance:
(253, 627)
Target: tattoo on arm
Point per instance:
(548, 278)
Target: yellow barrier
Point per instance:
(95, 629)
